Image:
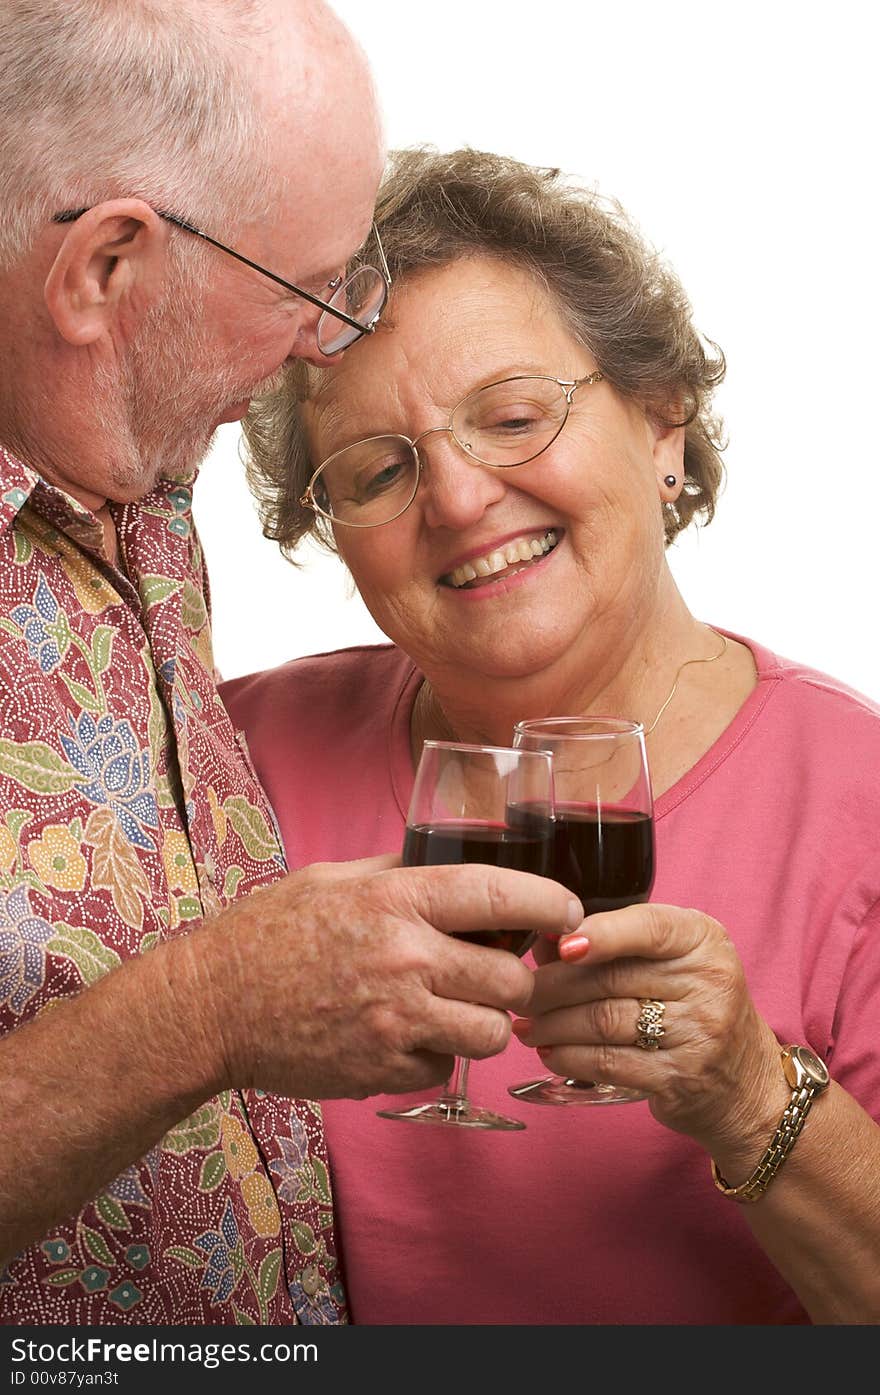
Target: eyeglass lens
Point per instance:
(362, 295)
(502, 425)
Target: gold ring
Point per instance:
(649, 1028)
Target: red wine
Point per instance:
(526, 848)
(606, 859)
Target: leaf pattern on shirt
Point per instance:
(127, 812)
(115, 867)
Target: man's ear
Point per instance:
(108, 271)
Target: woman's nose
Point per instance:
(456, 491)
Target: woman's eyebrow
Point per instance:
(333, 422)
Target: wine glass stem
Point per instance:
(455, 1094)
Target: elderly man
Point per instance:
(167, 991)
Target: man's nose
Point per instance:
(305, 343)
(307, 350)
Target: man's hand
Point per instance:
(344, 979)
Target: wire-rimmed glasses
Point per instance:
(353, 309)
(502, 425)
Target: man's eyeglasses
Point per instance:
(353, 309)
(503, 425)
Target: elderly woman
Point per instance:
(500, 466)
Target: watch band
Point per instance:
(808, 1086)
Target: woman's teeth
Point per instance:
(520, 550)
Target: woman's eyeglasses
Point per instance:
(502, 425)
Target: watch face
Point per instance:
(813, 1067)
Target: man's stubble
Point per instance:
(161, 404)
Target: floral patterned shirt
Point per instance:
(128, 811)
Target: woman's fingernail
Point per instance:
(520, 1028)
(575, 915)
(543, 1052)
(573, 948)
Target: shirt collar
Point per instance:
(21, 484)
(17, 484)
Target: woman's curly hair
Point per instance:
(613, 291)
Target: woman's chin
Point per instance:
(510, 658)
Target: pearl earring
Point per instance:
(670, 481)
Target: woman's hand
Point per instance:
(716, 1075)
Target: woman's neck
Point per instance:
(705, 699)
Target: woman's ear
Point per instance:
(108, 271)
(667, 445)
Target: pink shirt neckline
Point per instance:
(766, 667)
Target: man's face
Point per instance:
(217, 338)
(170, 392)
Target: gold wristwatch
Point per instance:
(808, 1077)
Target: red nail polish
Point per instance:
(574, 948)
(520, 1028)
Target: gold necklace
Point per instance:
(424, 696)
(667, 700)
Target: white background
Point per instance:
(742, 138)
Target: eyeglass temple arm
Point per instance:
(571, 387)
(71, 215)
(382, 260)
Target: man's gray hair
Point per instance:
(105, 99)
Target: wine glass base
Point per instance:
(557, 1089)
(452, 1113)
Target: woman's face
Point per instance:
(594, 495)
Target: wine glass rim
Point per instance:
(489, 750)
(608, 726)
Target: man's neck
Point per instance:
(111, 537)
(41, 430)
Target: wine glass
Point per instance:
(603, 848)
(477, 804)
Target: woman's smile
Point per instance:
(500, 563)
